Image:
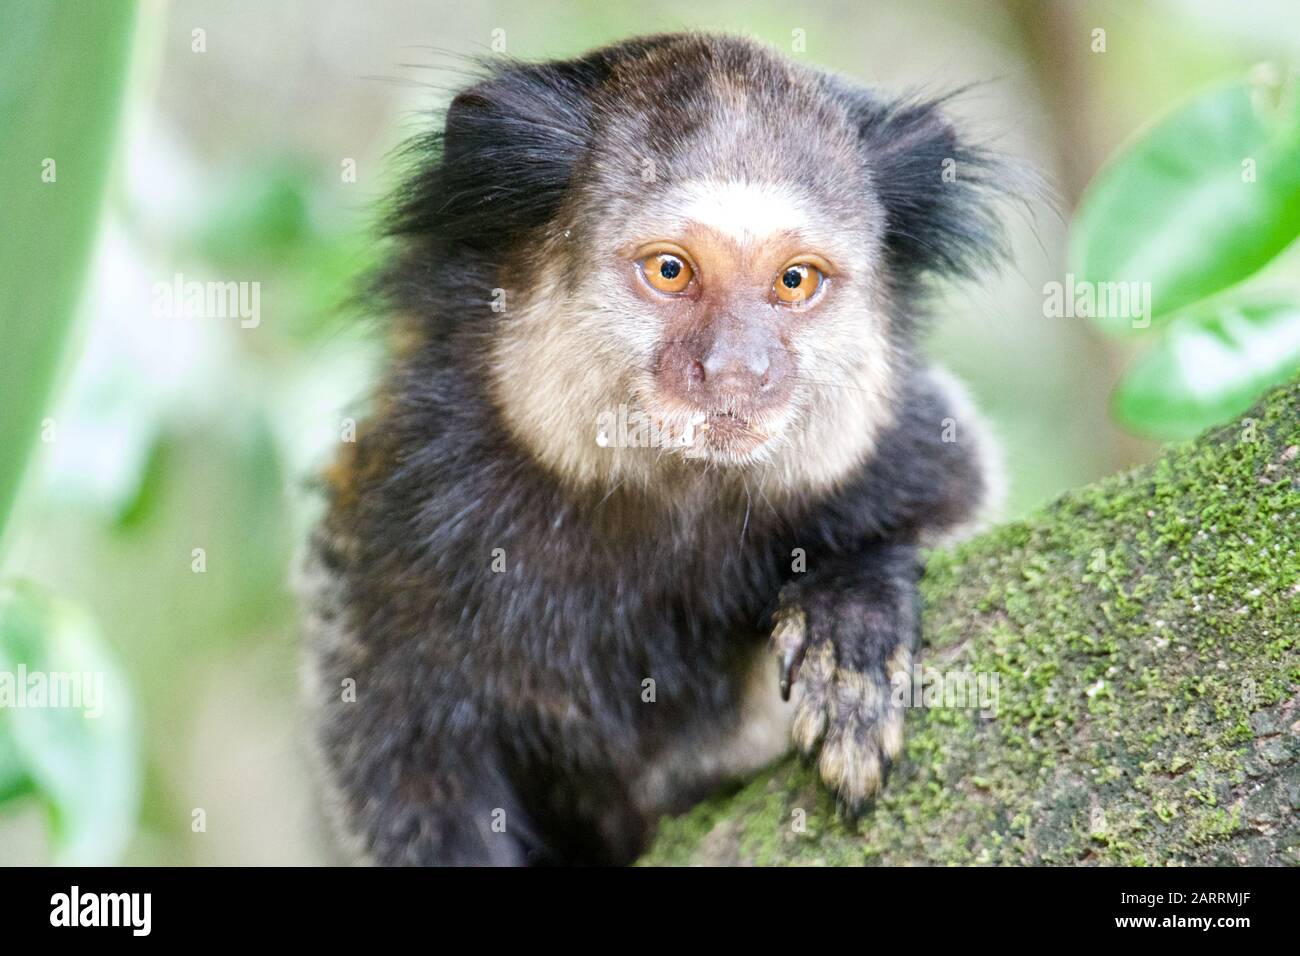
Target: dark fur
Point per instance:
(520, 691)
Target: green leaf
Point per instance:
(64, 70)
(1175, 207)
(78, 751)
(1209, 367)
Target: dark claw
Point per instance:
(788, 669)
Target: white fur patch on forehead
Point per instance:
(744, 211)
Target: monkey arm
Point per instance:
(847, 629)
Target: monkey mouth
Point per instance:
(726, 426)
(718, 435)
(728, 433)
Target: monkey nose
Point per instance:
(733, 370)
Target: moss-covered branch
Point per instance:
(1145, 637)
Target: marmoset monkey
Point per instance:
(656, 449)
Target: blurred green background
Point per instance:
(251, 147)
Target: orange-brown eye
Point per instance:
(798, 282)
(667, 272)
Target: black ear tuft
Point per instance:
(941, 194)
(502, 161)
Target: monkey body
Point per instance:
(553, 643)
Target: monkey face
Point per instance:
(704, 242)
(744, 310)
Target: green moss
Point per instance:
(1143, 634)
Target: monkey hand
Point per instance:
(843, 640)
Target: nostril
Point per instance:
(695, 374)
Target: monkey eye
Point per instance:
(798, 282)
(667, 272)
